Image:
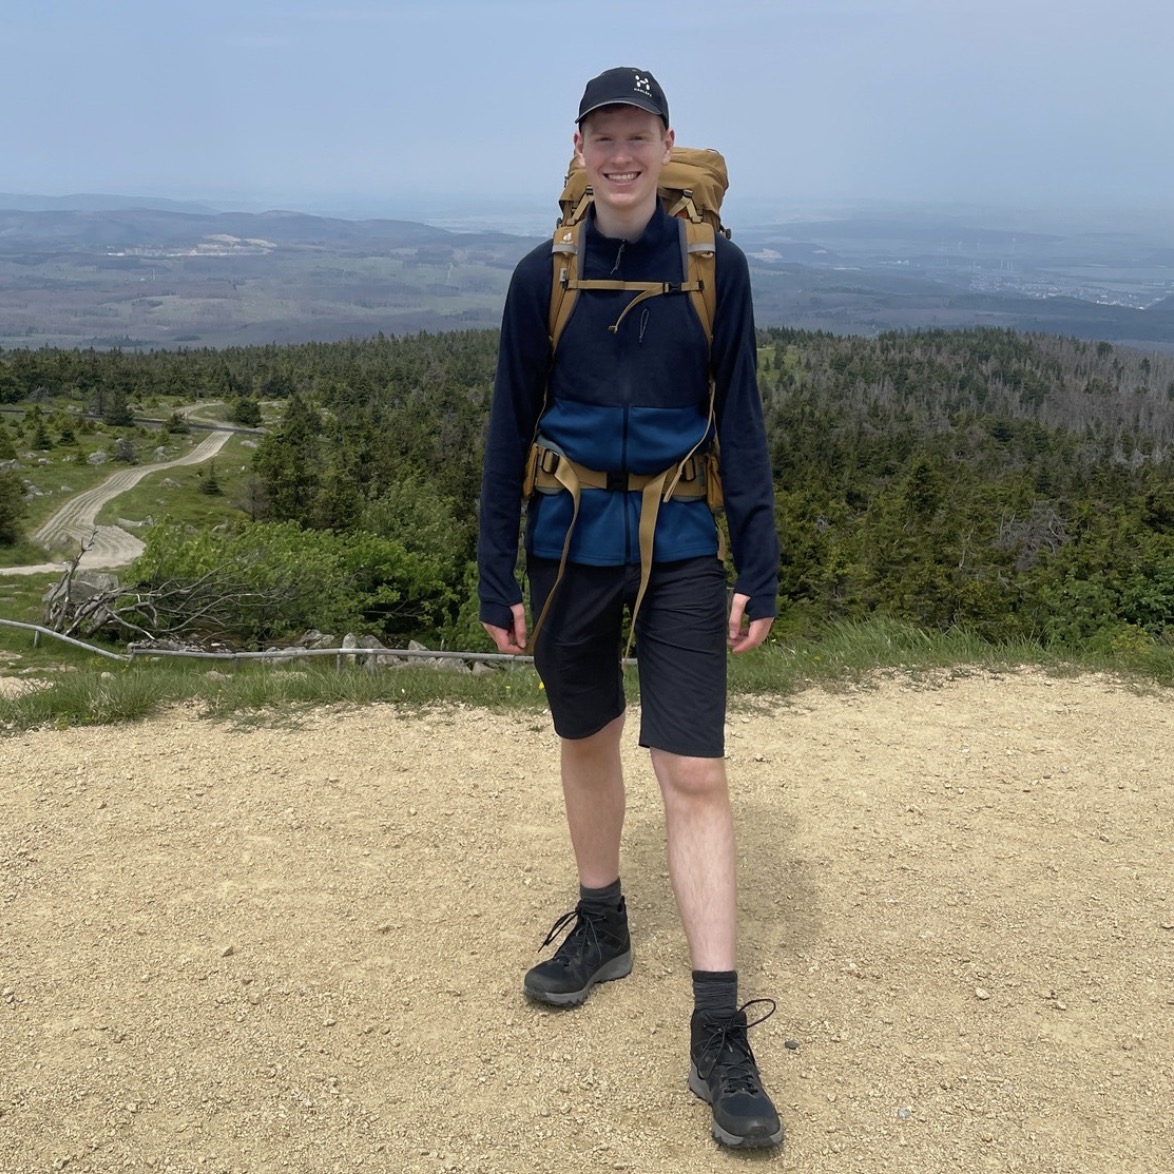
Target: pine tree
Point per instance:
(209, 485)
(288, 461)
(116, 411)
(247, 412)
(12, 508)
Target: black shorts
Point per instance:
(681, 637)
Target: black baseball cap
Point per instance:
(625, 87)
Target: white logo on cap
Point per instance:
(643, 84)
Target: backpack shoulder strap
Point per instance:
(564, 251)
(699, 268)
(697, 241)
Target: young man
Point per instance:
(628, 395)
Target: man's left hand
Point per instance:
(745, 634)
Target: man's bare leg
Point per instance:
(702, 862)
(593, 789)
(597, 946)
(703, 867)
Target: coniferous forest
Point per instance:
(1015, 486)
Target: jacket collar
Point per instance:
(649, 240)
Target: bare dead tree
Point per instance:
(60, 602)
(210, 607)
(1028, 537)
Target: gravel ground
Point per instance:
(300, 948)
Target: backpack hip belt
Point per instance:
(549, 470)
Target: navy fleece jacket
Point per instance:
(633, 400)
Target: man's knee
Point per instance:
(688, 778)
(605, 740)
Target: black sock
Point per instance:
(607, 897)
(715, 993)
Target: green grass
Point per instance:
(21, 599)
(254, 693)
(23, 554)
(96, 692)
(855, 652)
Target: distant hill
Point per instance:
(96, 203)
(156, 277)
(146, 227)
(102, 271)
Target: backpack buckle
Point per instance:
(617, 482)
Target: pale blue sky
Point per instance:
(302, 104)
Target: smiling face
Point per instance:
(623, 150)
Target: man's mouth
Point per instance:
(622, 176)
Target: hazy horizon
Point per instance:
(527, 215)
(1033, 104)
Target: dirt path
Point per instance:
(300, 949)
(111, 546)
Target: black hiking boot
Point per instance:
(597, 949)
(723, 1072)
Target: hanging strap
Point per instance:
(565, 476)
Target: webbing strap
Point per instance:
(708, 426)
(686, 206)
(565, 251)
(645, 289)
(689, 482)
(564, 473)
(649, 507)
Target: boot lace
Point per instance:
(585, 927)
(727, 1044)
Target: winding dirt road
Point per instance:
(111, 546)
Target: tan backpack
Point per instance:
(692, 185)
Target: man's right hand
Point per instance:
(511, 640)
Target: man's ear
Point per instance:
(670, 137)
(579, 149)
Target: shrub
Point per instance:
(258, 582)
